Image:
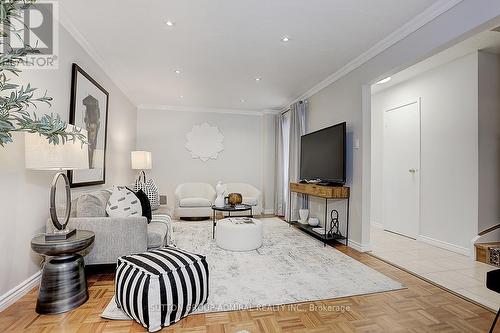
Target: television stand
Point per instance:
(320, 182)
(327, 193)
(325, 183)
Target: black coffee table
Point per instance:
(229, 209)
(64, 284)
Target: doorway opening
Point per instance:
(435, 161)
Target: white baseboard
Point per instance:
(268, 211)
(473, 247)
(377, 225)
(358, 246)
(19, 291)
(444, 245)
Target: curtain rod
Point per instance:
(286, 111)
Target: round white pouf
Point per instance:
(238, 237)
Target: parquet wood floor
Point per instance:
(422, 307)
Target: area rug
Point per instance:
(290, 267)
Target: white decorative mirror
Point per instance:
(205, 142)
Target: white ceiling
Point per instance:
(221, 46)
(488, 41)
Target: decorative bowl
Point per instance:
(313, 221)
(234, 199)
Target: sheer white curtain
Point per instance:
(282, 160)
(291, 126)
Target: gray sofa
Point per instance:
(115, 237)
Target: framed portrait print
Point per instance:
(89, 110)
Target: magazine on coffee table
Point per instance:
(241, 220)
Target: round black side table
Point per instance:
(64, 284)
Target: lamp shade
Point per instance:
(41, 155)
(141, 160)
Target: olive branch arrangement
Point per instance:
(16, 100)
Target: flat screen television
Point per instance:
(323, 155)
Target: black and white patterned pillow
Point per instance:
(123, 203)
(149, 187)
(146, 206)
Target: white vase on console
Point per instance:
(219, 189)
(303, 214)
(313, 221)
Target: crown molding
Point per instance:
(271, 111)
(66, 23)
(157, 107)
(404, 31)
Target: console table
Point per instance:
(327, 193)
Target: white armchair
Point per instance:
(251, 195)
(194, 200)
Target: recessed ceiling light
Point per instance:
(258, 79)
(177, 71)
(387, 79)
(242, 100)
(181, 96)
(285, 39)
(170, 23)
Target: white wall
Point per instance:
(489, 140)
(163, 132)
(449, 149)
(343, 100)
(24, 195)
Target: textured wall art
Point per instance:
(205, 142)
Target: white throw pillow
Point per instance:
(123, 203)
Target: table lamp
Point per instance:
(42, 155)
(141, 160)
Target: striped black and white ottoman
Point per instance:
(159, 287)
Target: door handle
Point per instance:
(412, 170)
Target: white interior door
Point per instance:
(401, 164)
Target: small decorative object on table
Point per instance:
(220, 190)
(234, 199)
(303, 214)
(334, 223)
(313, 221)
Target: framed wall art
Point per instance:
(89, 110)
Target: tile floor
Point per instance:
(448, 269)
